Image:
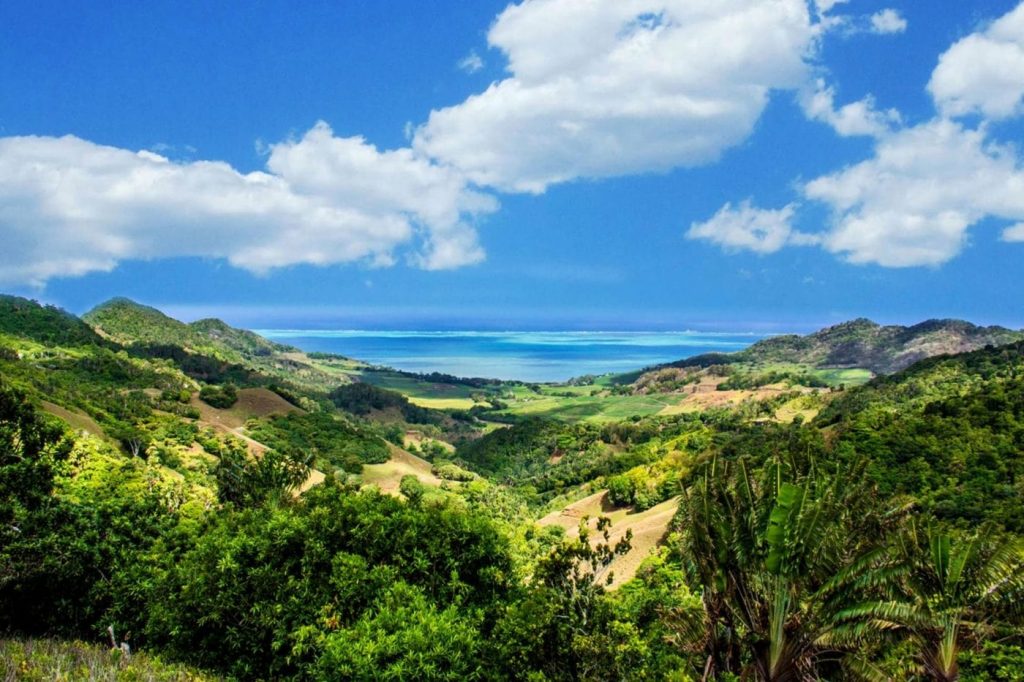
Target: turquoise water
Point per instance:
(527, 356)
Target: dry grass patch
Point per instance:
(648, 526)
(388, 476)
(252, 403)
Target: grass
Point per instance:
(79, 421)
(252, 402)
(388, 476)
(592, 408)
(847, 377)
(35, 660)
(442, 403)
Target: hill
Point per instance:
(128, 322)
(45, 324)
(864, 344)
(133, 324)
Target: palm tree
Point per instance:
(949, 592)
(780, 551)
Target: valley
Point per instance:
(201, 436)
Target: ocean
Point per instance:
(526, 356)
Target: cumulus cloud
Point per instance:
(69, 207)
(747, 227)
(888, 21)
(857, 118)
(914, 202)
(613, 87)
(983, 73)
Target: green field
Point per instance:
(591, 408)
(847, 377)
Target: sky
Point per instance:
(763, 165)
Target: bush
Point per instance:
(450, 472)
(221, 397)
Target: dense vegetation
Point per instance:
(362, 399)
(324, 438)
(880, 539)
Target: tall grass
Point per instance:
(35, 660)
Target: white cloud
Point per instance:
(1014, 233)
(857, 118)
(749, 228)
(915, 201)
(613, 87)
(983, 73)
(888, 21)
(471, 63)
(825, 6)
(69, 207)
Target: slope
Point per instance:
(862, 343)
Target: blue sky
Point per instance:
(616, 164)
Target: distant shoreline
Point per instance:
(541, 356)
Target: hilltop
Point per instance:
(44, 324)
(864, 344)
(128, 322)
(135, 325)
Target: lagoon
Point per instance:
(527, 356)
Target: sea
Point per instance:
(550, 356)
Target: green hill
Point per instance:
(128, 322)
(133, 324)
(48, 325)
(946, 432)
(864, 344)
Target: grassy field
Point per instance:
(75, 419)
(388, 476)
(442, 403)
(252, 402)
(593, 402)
(847, 377)
(591, 408)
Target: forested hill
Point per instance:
(45, 324)
(865, 344)
(128, 322)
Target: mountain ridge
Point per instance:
(865, 344)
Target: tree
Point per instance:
(951, 592)
(780, 552)
(562, 628)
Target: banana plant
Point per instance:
(950, 591)
(780, 551)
